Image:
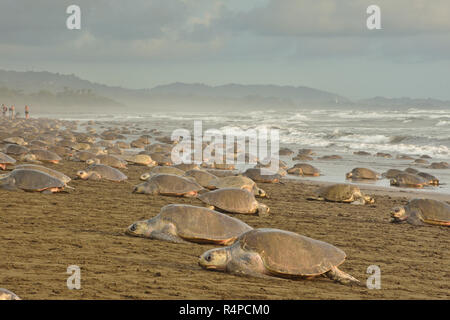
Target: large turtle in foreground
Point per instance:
(101, 171)
(181, 223)
(8, 295)
(342, 193)
(234, 200)
(5, 160)
(423, 211)
(279, 253)
(31, 180)
(169, 185)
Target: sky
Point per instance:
(322, 44)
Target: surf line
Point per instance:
(191, 310)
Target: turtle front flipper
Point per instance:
(343, 278)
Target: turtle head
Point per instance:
(394, 182)
(146, 188)
(92, 161)
(139, 229)
(263, 210)
(398, 214)
(349, 175)
(214, 259)
(81, 174)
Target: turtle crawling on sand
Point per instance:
(8, 295)
(101, 171)
(31, 180)
(181, 223)
(278, 253)
(241, 182)
(362, 174)
(169, 185)
(432, 180)
(423, 211)
(304, 169)
(262, 175)
(58, 175)
(342, 193)
(408, 180)
(161, 170)
(234, 200)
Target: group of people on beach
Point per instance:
(12, 113)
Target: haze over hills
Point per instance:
(48, 91)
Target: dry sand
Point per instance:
(41, 235)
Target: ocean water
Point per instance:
(414, 132)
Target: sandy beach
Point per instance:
(44, 234)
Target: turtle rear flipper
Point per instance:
(343, 278)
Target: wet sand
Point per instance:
(41, 235)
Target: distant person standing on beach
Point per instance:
(11, 112)
(27, 112)
(4, 110)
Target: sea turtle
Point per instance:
(383, 155)
(362, 153)
(82, 156)
(362, 174)
(261, 175)
(101, 171)
(15, 150)
(304, 169)
(5, 160)
(306, 152)
(15, 140)
(222, 173)
(241, 182)
(8, 295)
(141, 159)
(285, 152)
(439, 165)
(162, 170)
(169, 185)
(331, 157)
(162, 159)
(234, 200)
(302, 157)
(342, 193)
(108, 160)
(404, 157)
(429, 178)
(187, 166)
(181, 223)
(31, 180)
(273, 252)
(58, 175)
(423, 211)
(420, 161)
(392, 173)
(411, 170)
(204, 178)
(46, 156)
(408, 180)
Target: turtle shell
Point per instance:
(408, 179)
(15, 149)
(256, 175)
(107, 172)
(34, 180)
(54, 173)
(111, 161)
(45, 155)
(204, 178)
(290, 254)
(338, 192)
(231, 200)
(167, 170)
(364, 173)
(202, 224)
(5, 159)
(392, 173)
(433, 211)
(173, 184)
(307, 169)
(235, 182)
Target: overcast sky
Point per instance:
(323, 44)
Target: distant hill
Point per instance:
(184, 96)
